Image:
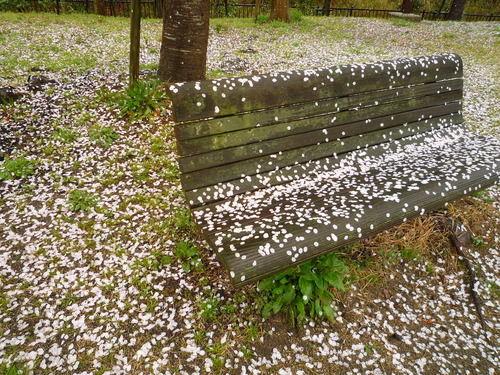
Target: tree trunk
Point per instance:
(100, 7)
(158, 8)
(280, 10)
(256, 12)
(408, 6)
(457, 10)
(183, 54)
(326, 7)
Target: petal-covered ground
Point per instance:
(103, 272)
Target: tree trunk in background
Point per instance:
(457, 10)
(183, 54)
(158, 8)
(100, 7)
(256, 12)
(408, 6)
(326, 7)
(280, 10)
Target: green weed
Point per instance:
(369, 348)
(409, 254)
(66, 135)
(82, 200)
(477, 241)
(189, 256)
(262, 18)
(303, 291)
(12, 369)
(144, 98)
(483, 195)
(17, 168)
(296, 15)
(103, 136)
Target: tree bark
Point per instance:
(183, 54)
(408, 6)
(280, 10)
(256, 13)
(326, 7)
(457, 10)
(100, 7)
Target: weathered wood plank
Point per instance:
(327, 120)
(214, 175)
(217, 98)
(343, 216)
(335, 179)
(325, 135)
(245, 274)
(308, 109)
(208, 195)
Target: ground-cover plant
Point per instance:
(66, 135)
(140, 309)
(80, 200)
(103, 136)
(17, 168)
(145, 97)
(189, 256)
(304, 291)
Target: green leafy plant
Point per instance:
(483, 195)
(369, 348)
(103, 136)
(66, 135)
(304, 291)
(189, 256)
(262, 18)
(82, 200)
(477, 241)
(295, 15)
(17, 168)
(142, 99)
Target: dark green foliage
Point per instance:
(295, 15)
(304, 291)
(14, 5)
(82, 200)
(103, 136)
(189, 256)
(66, 135)
(17, 168)
(144, 98)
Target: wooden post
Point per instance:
(135, 41)
(226, 8)
(58, 7)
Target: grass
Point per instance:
(19, 167)
(102, 230)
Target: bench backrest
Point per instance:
(240, 134)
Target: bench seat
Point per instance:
(276, 173)
(262, 231)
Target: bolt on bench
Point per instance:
(281, 168)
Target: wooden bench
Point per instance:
(281, 168)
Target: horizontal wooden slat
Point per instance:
(225, 190)
(222, 191)
(221, 97)
(203, 128)
(211, 176)
(346, 124)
